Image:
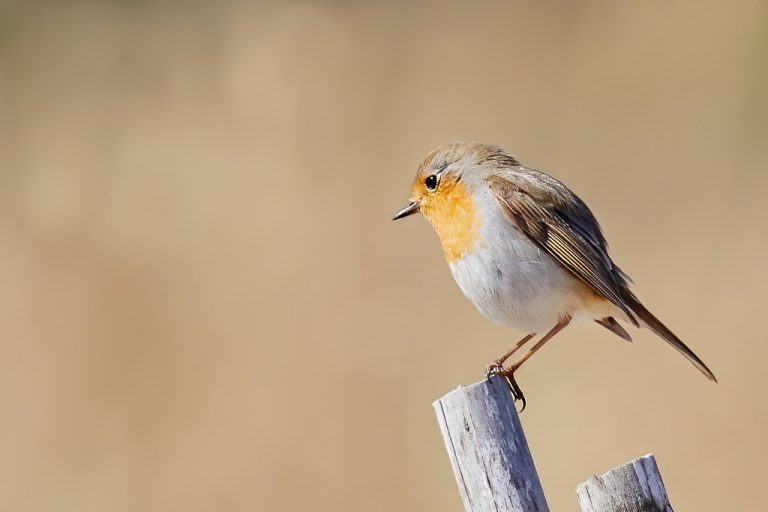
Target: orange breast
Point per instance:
(456, 220)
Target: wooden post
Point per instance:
(635, 486)
(488, 451)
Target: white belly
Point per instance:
(513, 282)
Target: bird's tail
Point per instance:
(646, 318)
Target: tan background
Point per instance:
(205, 306)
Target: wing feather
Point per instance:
(556, 223)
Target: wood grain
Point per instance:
(634, 487)
(488, 450)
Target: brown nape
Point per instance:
(443, 156)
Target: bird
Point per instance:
(525, 250)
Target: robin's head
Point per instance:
(444, 188)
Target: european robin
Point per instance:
(525, 250)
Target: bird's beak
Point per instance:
(412, 208)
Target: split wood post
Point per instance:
(635, 486)
(494, 468)
(488, 451)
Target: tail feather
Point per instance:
(653, 323)
(615, 327)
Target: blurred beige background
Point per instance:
(205, 305)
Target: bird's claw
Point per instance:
(517, 393)
(497, 368)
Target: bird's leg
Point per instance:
(497, 366)
(556, 329)
(509, 373)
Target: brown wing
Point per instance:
(561, 224)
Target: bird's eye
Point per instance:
(431, 182)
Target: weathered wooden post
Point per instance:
(494, 468)
(635, 486)
(487, 447)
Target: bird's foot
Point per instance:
(497, 368)
(517, 393)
